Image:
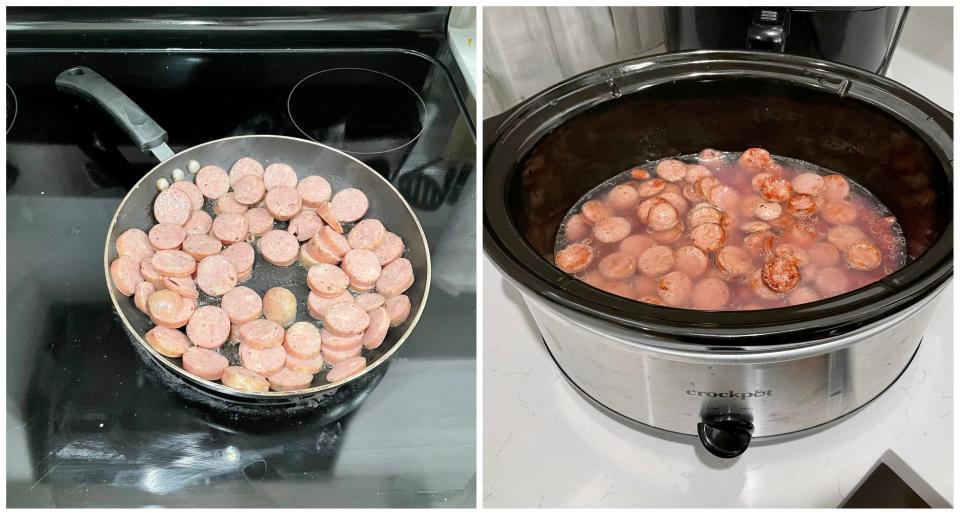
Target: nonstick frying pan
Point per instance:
(307, 158)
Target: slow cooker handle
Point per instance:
(725, 436)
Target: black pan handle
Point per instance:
(86, 83)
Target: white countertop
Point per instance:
(544, 445)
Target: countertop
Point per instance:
(545, 446)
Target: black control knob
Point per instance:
(725, 436)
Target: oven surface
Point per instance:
(86, 424)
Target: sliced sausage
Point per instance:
(734, 261)
(781, 274)
(241, 305)
(843, 236)
(775, 189)
(376, 332)
(839, 212)
(575, 229)
(710, 157)
(166, 236)
(283, 202)
(279, 174)
(317, 305)
(134, 243)
(335, 356)
(173, 263)
(243, 379)
(863, 256)
(724, 197)
(336, 242)
(656, 260)
(395, 278)
(367, 234)
(755, 159)
(314, 190)
(809, 184)
(200, 246)
(662, 216)
(204, 363)
(704, 186)
(182, 286)
(703, 214)
(708, 237)
(836, 187)
(791, 251)
(803, 233)
(306, 258)
(636, 244)
(150, 273)
(592, 211)
(125, 275)
(172, 207)
(262, 361)
(759, 243)
(823, 254)
(334, 342)
(280, 306)
(398, 308)
(140, 295)
(830, 281)
(308, 366)
(671, 170)
(169, 342)
(228, 204)
(696, 172)
(362, 267)
(691, 261)
(767, 211)
(243, 167)
(639, 173)
(346, 368)
(216, 275)
(391, 249)
(242, 255)
(756, 284)
(322, 251)
(349, 205)
(710, 293)
(675, 288)
(259, 221)
(574, 258)
(213, 182)
(262, 334)
(369, 301)
(345, 318)
(617, 266)
(800, 205)
(165, 308)
(199, 223)
(324, 211)
(209, 327)
(191, 191)
(802, 295)
(249, 190)
(302, 340)
(622, 196)
(651, 187)
(279, 248)
(327, 280)
(286, 380)
(305, 225)
(229, 228)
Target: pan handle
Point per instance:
(145, 132)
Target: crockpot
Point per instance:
(728, 377)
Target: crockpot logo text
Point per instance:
(731, 394)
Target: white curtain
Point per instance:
(527, 49)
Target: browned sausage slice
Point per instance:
(346, 368)
(781, 274)
(262, 361)
(286, 380)
(209, 327)
(213, 182)
(242, 305)
(173, 263)
(199, 223)
(279, 174)
(125, 275)
(279, 247)
(283, 202)
(345, 319)
(243, 379)
(349, 205)
(734, 261)
(216, 275)
(398, 308)
(134, 243)
(395, 278)
(249, 190)
(169, 342)
(262, 334)
(305, 225)
(302, 340)
(863, 256)
(243, 167)
(363, 269)
(314, 190)
(390, 249)
(172, 207)
(204, 363)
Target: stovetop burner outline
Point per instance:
(11, 119)
(421, 110)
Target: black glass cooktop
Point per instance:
(87, 425)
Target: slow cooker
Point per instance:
(728, 377)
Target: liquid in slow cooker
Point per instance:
(729, 231)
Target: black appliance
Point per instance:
(864, 37)
(87, 425)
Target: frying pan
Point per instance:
(307, 158)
